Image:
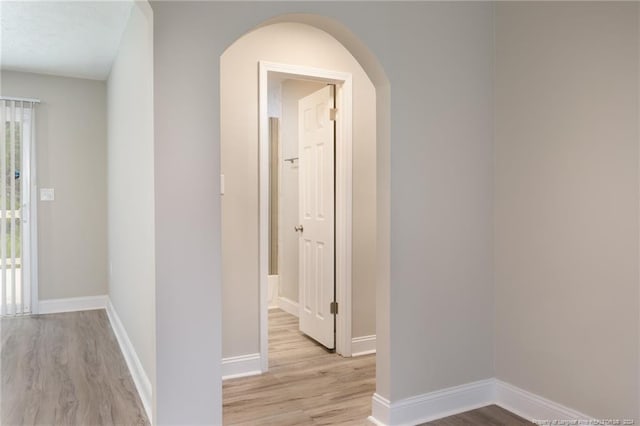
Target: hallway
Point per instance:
(305, 385)
(68, 369)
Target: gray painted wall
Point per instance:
(441, 186)
(71, 139)
(131, 186)
(567, 203)
(566, 195)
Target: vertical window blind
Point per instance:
(16, 139)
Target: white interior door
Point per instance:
(316, 241)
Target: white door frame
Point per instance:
(30, 231)
(343, 208)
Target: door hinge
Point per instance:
(333, 308)
(332, 113)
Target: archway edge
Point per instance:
(345, 36)
(376, 73)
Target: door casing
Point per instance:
(343, 194)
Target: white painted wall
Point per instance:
(71, 128)
(566, 176)
(131, 186)
(300, 45)
(440, 177)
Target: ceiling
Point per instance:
(67, 38)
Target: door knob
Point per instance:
(298, 228)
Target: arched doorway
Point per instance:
(243, 203)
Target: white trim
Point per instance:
(241, 366)
(374, 421)
(33, 216)
(289, 306)
(344, 89)
(433, 405)
(140, 378)
(380, 410)
(72, 304)
(532, 406)
(263, 220)
(364, 345)
(458, 399)
(343, 219)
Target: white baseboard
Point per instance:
(532, 406)
(433, 405)
(364, 345)
(380, 411)
(241, 366)
(447, 402)
(288, 306)
(140, 378)
(72, 304)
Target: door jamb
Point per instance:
(32, 186)
(343, 206)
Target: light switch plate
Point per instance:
(47, 194)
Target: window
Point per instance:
(16, 231)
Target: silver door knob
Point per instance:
(298, 228)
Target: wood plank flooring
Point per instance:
(305, 385)
(65, 369)
(308, 385)
(491, 415)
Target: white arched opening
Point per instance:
(244, 330)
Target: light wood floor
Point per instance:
(307, 385)
(65, 369)
(491, 415)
